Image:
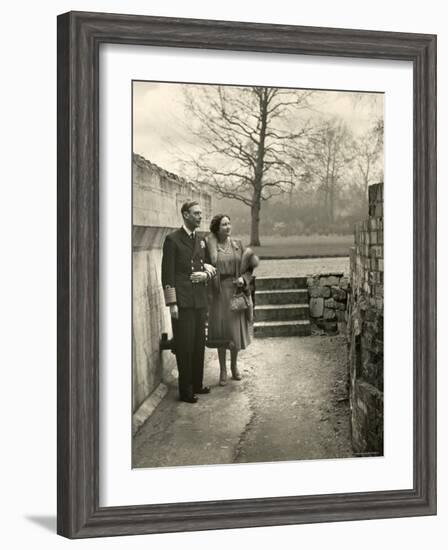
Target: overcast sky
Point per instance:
(161, 130)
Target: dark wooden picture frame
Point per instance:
(79, 38)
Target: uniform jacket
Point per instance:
(181, 256)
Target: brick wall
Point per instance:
(365, 328)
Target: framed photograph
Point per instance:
(246, 274)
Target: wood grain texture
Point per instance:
(79, 37)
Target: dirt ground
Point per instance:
(292, 404)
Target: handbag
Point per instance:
(239, 301)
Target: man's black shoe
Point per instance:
(203, 390)
(192, 399)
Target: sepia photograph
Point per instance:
(257, 274)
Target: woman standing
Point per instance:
(227, 328)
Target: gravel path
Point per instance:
(298, 399)
(291, 404)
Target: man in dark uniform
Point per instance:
(186, 270)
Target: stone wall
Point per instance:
(157, 199)
(365, 329)
(328, 302)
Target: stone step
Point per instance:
(285, 312)
(265, 329)
(277, 283)
(282, 296)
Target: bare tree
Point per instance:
(327, 161)
(368, 154)
(251, 141)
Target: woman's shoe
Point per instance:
(223, 377)
(236, 373)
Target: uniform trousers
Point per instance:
(189, 344)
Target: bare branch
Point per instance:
(252, 143)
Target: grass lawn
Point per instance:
(302, 246)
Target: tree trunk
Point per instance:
(258, 174)
(255, 223)
(331, 202)
(333, 177)
(325, 209)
